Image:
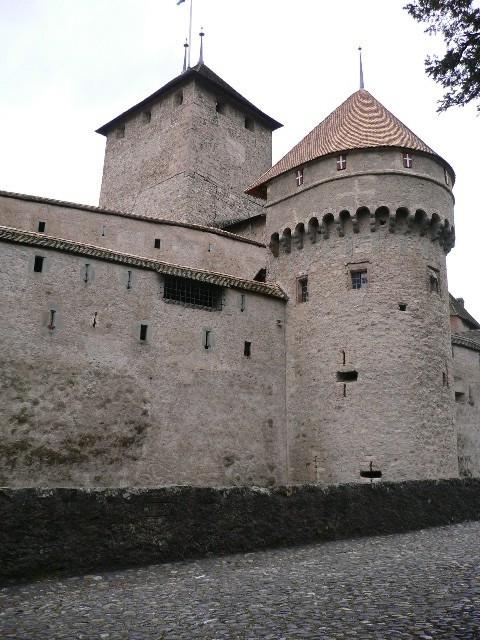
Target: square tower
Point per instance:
(187, 152)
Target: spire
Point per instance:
(185, 55)
(201, 34)
(362, 86)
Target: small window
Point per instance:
(347, 376)
(299, 177)
(207, 339)
(341, 162)
(359, 279)
(86, 273)
(178, 99)
(51, 320)
(143, 331)
(247, 349)
(41, 227)
(433, 280)
(242, 302)
(156, 243)
(38, 264)
(104, 231)
(407, 160)
(459, 396)
(249, 124)
(302, 289)
(219, 106)
(146, 116)
(447, 178)
(121, 131)
(129, 279)
(402, 306)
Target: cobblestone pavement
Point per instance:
(417, 585)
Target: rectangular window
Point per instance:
(447, 179)
(299, 177)
(249, 124)
(242, 302)
(247, 349)
(359, 279)
(407, 160)
(121, 131)
(302, 289)
(146, 116)
(41, 227)
(341, 162)
(192, 293)
(156, 243)
(143, 331)
(38, 264)
(104, 231)
(433, 280)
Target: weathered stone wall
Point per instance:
(189, 163)
(84, 405)
(369, 373)
(466, 370)
(198, 248)
(78, 530)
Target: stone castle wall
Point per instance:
(87, 403)
(369, 371)
(190, 162)
(466, 368)
(183, 245)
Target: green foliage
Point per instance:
(459, 70)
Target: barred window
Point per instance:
(192, 293)
(359, 279)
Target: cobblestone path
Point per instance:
(417, 585)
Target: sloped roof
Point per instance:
(135, 216)
(457, 309)
(468, 339)
(203, 75)
(17, 236)
(360, 122)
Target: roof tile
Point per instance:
(358, 123)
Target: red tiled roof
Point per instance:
(358, 123)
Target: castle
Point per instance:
(219, 321)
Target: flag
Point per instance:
(180, 2)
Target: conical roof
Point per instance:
(361, 122)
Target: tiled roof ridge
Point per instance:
(360, 122)
(124, 214)
(9, 234)
(463, 340)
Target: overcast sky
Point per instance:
(69, 66)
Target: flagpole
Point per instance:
(190, 34)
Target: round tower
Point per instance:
(360, 219)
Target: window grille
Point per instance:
(192, 293)
(359, 279)
(302, 289)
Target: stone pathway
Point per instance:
(417, 585)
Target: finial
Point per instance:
(361, 69)
(185, 55)
(201, 34)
